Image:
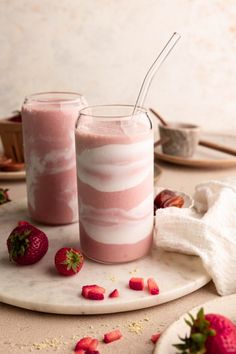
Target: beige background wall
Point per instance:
(103, 48)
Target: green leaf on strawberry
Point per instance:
(209, 334)
(72, 260)
(26, 244)
(4, 197)
(68, 261)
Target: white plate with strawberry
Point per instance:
(213, 331)
(94, 288)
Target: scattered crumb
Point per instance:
(53, 343)
(135, 327)
(111, 277)
(134, 271)
(48, 343)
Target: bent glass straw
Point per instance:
(153, 70)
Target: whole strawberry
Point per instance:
(210, 334)
(68, 261)
(4, 197)
(26, 244)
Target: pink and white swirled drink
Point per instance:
(48, 131)
(115, 183)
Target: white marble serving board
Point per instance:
(40, 288)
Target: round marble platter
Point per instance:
(225, 306)
(39, 287)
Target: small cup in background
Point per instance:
(11, 138)
(179, 139)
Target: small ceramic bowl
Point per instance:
(11, 138)
(179, 139)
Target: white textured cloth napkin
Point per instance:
(208, 230)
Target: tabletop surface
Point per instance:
(24, 331)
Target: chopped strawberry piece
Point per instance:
(152, 287)
(114, 293)
(92, 289)
(95, 295)
(136, 283)
(83, 343)
(93, 345)
(155, 337)
(112, 336)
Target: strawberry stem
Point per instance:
(73, 260)
(4, 197)
(19, 242)
(199, 332)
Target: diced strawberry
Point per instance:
(114, 293)
(112, 336)
(155, 337)
(94, 288)
(83, 343)
(95, 295)
(93, 345)
(136, 283)
(152, 287)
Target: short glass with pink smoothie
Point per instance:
(114, 152)
(49, 147)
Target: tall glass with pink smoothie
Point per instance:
(115, 180)
(49, 147)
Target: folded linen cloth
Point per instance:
(208, 230)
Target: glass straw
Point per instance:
(153, 69)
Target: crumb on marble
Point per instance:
(112, 277)
(134, 271)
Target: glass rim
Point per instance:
(179, 126)
(83, 111)
(35, 97)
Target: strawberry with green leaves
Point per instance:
(4, 197)
(26, 244)
(68, 261)
(209, 334)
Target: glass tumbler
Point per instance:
(49, 147)
(114, 154)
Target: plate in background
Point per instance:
(12, 175)
(205, 157)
